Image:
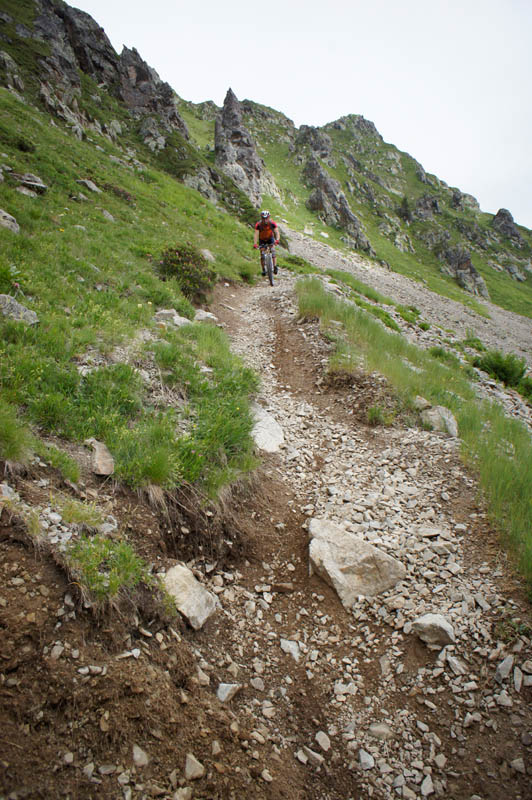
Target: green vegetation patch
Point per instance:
(190, 269)
(106, 569)
(95, 285)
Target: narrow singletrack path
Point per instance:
(446, 727)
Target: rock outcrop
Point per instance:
(236, 154)
(503, 222)
(318, 141)
(330, 203)
(79, 45)
(426, 207)
(458, 265)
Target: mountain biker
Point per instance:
(266, 233)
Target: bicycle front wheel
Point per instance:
(268, 263)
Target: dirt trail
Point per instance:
(434, 746)
(330, 703)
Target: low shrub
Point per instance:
(122, 194)
(375, 416)
(505, 367)
(190, 269)
(524, 387)
(297, 264)
(408, 313)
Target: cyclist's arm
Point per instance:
(255, 237)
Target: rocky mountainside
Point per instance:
(364, 192)
(162, 633)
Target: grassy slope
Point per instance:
(94, 286)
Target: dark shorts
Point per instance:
(267, 243)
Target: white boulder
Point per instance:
(434, 629)
(441, 419)
(267, 433)
(349, 564)
(192, 600)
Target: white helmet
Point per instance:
(265, 214)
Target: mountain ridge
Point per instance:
(368, 194)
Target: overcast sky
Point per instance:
(448, 81)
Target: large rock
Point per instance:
(318, 141)
(434, 629)
(102, 462)
(144, 92)
(426, 207)
(192, 600)
(9, 75)
(503, 222)
(9, 222)
(441, 419)
(78, 44)
(349, 564)
(170, 315)
(9, 307)
(458, 265)
(267, 433)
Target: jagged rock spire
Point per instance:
(235, 150)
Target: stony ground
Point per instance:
(323, 703)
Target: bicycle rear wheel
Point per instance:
(268, 264)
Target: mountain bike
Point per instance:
(266, 250)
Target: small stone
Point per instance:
(193, 768)
(291, 647)
(323, 741)
(380, 730)
(518, 765)
(266, 776)
(140, 758)
(226, 691)
(427, 787)
(316, 759)
(88, 770)
(433, 629)
(57, 651)
(366, 759)
(185, 793)
(504, 669)
(68, 758)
